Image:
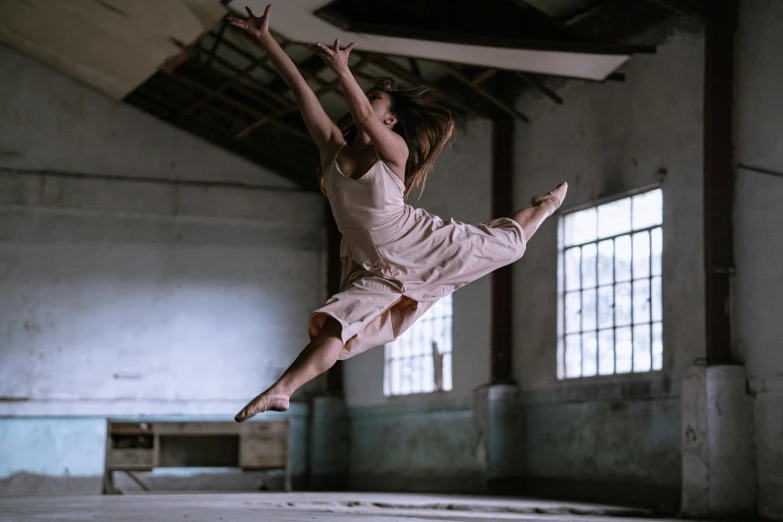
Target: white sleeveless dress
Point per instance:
(397, 260)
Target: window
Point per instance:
(419, 361)
(609, 288)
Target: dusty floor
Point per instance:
(296, 507)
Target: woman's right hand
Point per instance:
(257, 26)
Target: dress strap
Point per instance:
(334, 159)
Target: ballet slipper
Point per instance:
(262, 403)
(551, 196)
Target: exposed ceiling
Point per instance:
(447, 31)
(114, 45)
(176, 60)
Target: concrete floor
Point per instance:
(297, 507)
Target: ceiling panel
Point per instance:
(295, 20)
(113, 45)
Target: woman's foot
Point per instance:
(553, 199)
(264, 402)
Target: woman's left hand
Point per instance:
(336, 59)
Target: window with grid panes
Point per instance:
(419, 361)
(610, 288)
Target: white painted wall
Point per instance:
(52, 122)
(122, 296)
(458, 187)
(758, 234)
(607, 139)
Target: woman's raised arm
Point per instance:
(323, 130)
(390, 145)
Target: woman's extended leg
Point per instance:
(317, 357)
(543, 206)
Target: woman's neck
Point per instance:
(361, 142)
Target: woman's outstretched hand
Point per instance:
(257, 26)
(336, 59)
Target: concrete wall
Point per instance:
(607, 139)
(127, 286)
(758, 234)
(416, 446)
(425, 441)
(51, 455)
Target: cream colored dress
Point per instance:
(397, 260)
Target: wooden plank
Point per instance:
(137, 459)
(197, 428)
(264, 445)
(130, 428)
(220, 428)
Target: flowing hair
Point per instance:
(423, 121)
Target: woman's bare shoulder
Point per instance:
(329, 149)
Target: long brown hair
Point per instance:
(424, 122)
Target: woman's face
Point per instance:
(381, 102)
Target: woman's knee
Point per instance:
(331, 328)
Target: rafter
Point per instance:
(411, 78)
(540, 87)
(227, 84)
(246, 79)
(218, 40)
(293, 108)
(695, 9)
(483, 92)
(213, 135)
(591, 12)
(241, 106)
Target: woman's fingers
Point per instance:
(249, 12)
(319, 48)
(235, 20)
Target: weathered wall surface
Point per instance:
(758, 234)
(129, 286)
(607, 139)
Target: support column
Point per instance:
(718, 460)
(334, 376)
(497, 421)
(329, 428)
(502, 201)
(719, 178)
(496, 405)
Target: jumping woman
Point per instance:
(397, 260)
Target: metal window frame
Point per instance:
(417, 357)
(563, 293)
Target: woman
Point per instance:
(397, 260)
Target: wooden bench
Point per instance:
(144, 446)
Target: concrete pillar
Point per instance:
(497, 422)
(329, 444)
(768, 427)
(718, 462)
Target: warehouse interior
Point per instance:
(163, 241)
